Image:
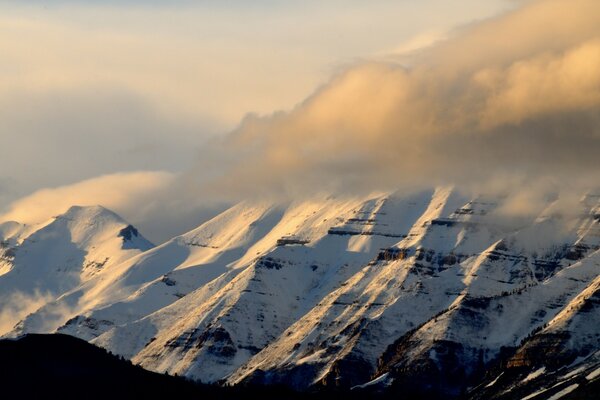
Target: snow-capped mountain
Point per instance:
(431, 292)
(42, 262)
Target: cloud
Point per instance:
(159, 203)
(503, 105)
(542, 85)
(95, 88)
(419, 42)
(127, 193)
(17, 306)
(518, 95)
(57, 137)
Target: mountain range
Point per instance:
(435, 294)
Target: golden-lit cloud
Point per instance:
(499, 104)
(127, 193)
(197, 60)
(542, 85)
(515, 95)
(95, 88)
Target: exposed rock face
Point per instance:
(425, 295)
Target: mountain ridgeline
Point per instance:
(430, 294)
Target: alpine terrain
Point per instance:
(430, 294)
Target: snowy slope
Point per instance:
(276, 289)
(10, 232)
(338, 245)
(155, 278)
(424, 285)
(577, 380)
(397, 290)
(40, 263)
(537, 370)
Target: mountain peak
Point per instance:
(50, 259)
(98, 221)
(93, 212)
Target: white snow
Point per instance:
(534, 374)
(535, 394)
(564, 392)
(492, 383)
(55, 257)
(593, 375)
(381, 378)
(573, 373)
(353, 274)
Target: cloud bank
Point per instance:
(89, 88)
(510, 105)
(515, 96)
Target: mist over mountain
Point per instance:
(500, 106)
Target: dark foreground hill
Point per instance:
(61, 366)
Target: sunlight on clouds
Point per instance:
(506, 101)
(208, 60)
(545, 84)
(127, 193)
(533, 113)
(420, 42)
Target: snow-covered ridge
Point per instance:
(40, 263)
(331, 291)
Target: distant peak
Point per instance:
(90, 212)
(96, 208)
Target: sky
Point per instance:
(175, 108)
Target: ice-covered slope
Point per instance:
(426, 291)
(40, 263)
